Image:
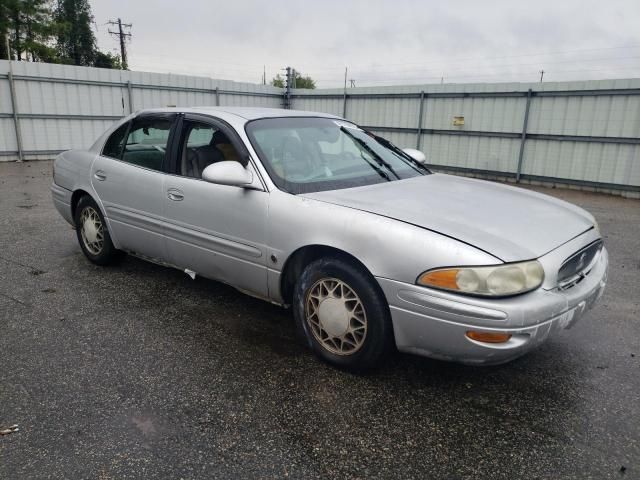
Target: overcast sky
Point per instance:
(381, 42)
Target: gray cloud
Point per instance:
(382, 42)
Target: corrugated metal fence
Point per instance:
(60, 107)
(577, 133)
(581, 133)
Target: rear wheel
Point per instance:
(342, 314)
(93, 234)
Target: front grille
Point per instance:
(578, 265)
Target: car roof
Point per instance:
(247, 113)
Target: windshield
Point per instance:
(305, 155)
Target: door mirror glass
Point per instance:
(228, 173)
(417, 155)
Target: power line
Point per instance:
(498, 75)
(370, 73)
(122, 36)
(465, 59)
(375, 75)
(216, 60)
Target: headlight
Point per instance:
(493, 281)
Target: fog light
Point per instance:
(488, 337)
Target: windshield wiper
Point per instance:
(371, 152)
(378, 170)
(386, 143)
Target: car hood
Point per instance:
(510, 223)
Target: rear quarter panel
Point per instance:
(72, 172)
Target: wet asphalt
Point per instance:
(137, 371)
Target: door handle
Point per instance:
(175, 195)
(100, 175)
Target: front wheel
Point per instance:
(93, 234)
(342, 314)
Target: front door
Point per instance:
(128, 177)
(217, 231)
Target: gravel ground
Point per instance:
(138, 371)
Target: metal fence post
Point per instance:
(14, 108)
(130, 95)
(420, 115)
(344, 105)
(217, 96)
(344, 94)
(523, 138)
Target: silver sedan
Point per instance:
(368, 247)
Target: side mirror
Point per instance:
(228, 173)
(417, 155)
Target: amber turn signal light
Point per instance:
(488, 337)
(440, 278)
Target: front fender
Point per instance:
(388, 248)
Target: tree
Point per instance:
(298, 82)
(5, 25)
(107, 60)
(76, 43)
(304, 82)
(13, 27)
(278, 81)
(40, 33)
(28, 24)
(38, 29)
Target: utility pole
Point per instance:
(122, 35)
(287, 88)
(352, 82)
(541, 75)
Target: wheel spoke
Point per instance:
(338, 291)
(90, 219)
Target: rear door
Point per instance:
(128, 176)
(218, 231)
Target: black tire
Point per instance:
(377, 341)
(106, 254)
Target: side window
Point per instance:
(146, 143)
(199, 135)
(115, 143)
(203, 145)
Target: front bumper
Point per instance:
(433, 323)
